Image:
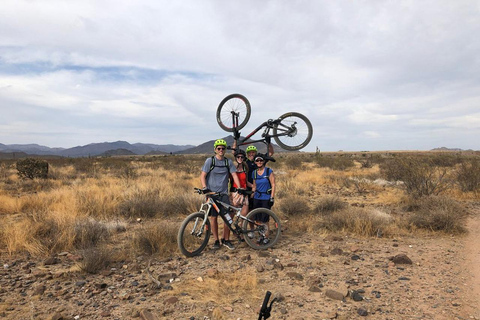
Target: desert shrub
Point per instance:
(437, 213)
(94, 260)
(445, 160)
(159, 238)
(294, 206)
(88, 233)
(468, 175)
(420, 177)
(32, 168)
(340, 163)
(140, 204)
(363, 222)
(328, 205)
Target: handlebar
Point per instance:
(266, 309)
(208, 192)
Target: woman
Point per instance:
(264, 187)
(242, 174)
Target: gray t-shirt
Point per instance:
(217, 179)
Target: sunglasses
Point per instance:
(259, 160)
(220, 148)
(240, 157)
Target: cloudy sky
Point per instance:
(370, 75)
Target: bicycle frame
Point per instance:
(213, 203)
(268, 125)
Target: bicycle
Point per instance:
(291, 131)
(195, 231)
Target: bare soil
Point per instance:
(310, 275)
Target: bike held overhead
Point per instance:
(291, 131)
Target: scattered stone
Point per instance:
(356, 296)
(295, 276)
(314, 289)
(335, 295)
(336, 251)
(401, 259)
(147, 315)
(404, 278)
(39, 290)
(57, 316)
(171, 300)
(260, 268)
(51, 261)
(362, 312)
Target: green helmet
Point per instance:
(251, 148)
(220, 142)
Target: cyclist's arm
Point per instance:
(272, 183)
(234, 147)
(270, 150)
(203, 179)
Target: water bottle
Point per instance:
(229, 219)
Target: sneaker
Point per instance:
(250, 235)
(228, 244)
(216, 245)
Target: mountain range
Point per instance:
(111, 149)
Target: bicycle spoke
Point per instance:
(234, 105)
(293, 131)
(194, 234)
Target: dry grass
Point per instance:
(76, 207)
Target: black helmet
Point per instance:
(240, 152)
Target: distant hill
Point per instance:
(207, 147)
(117, 152)
(447, 149)
(93, 149)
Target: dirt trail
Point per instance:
(471, 262)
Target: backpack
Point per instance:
(212, 166)
(269, 171)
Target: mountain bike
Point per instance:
(291, 131)
(195, 230)
(266, 309)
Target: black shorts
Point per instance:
(223, 198)
(263, 217)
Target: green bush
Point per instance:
(328, 205)
(32, 168)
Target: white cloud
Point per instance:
(369, 74)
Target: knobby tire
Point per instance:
(193, 244)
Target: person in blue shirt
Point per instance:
(264, 187)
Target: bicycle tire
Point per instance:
(258, 232)
(301, 136)
(236, 103)
(189, 244)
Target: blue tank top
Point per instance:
(263, 184)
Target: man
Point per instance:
(215, 175)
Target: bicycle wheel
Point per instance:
(266, 230)
(237, 104)
(194, 234)
(293, 132)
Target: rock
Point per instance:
(335, 295)
(212, 272)
(57, 316)
(355, 295)
(401, 259)
(362, 312)
(51, 261)
(336, 251)
(39, 290)
(260, 268)
(147, 315)
(171, 300)
(314, 289)
(295, 276)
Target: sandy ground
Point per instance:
(442, 282)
